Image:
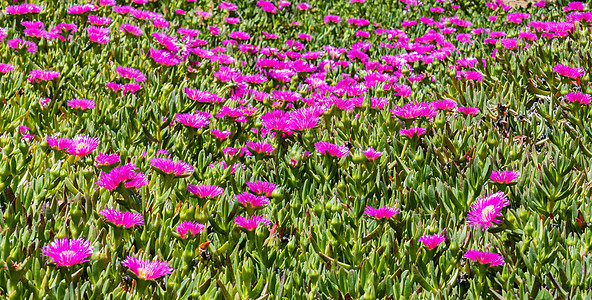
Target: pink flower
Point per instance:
(189, 227)
(5, 68)
(252, 201)
(82, 145)
(330, 149)
(131, 73)
(221, 135)
(432, 241)
(23, 9)
(135, 30)
(566, 71)
(444, 104)
(579, 98)
(203, 96)
(303, 6)
(205, 191)
(232, 20)
(469, 111)
(504, 177)
(40, 75)
(65, 252)
(239, 35)
(228, 6)
(98, 34)
(412, 131)
(493, 259)
(59, 144)
(169, 166)
(371, 154)
(107, 159)
(81, 104)
(147, 269)
(484, 211)
(385, 212)
(31, 48)
(332, 18)
(44, 102)
(414, 110)
(125, 219)
(164, 57)
(125, 174)
(99, 21)
(197, 120)
(80, 9)
(260, 147)
(252, 222)
(261, 187)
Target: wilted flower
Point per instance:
(504, 177)
(485, 211)
(432, 241)
(252, 222)
(189, 227)
(147, 269)
(329, 149)
(125, 219)
(493, 259)
(65, 252)
(205, 191)
(168, 166)
(385, 212)
(125, 174)
(82, 145)
(81, 104)
(261, 187)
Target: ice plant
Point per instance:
(107, 159)
(59, 143)
(485, 211)
(487, 258)
(432, 241)
(371, 154)
(252, 222)
(36, 76)
(189, 227)
(504, 177)
(82, 104)
(197, 120)
(169, 166)
(385, 212)
(205, 191)
(125, 219)
(147, 269)
(444, 104)
(570, 72)
(82, 145)
(412, 131)
(251, 202)
(330, 149)
(261, 187)
(260, 147)
(65, 252)
(469, 111)
(414, 110)
(578, 98)
(125, 175)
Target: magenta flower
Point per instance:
(44, 102)
(414, 110)
(276, 120)
(189, 227)
(135, 30)
(579, 98)
(444, 104)
(304, 118)
(566, 71)
(31, 48)
(385, 212)
(82, 145)
(168, 166)
(329, 149)
(303, 6)
(164, 57)
(260, 147)
(252, 201)
(98, 34)
(239, 35)
(23, 9)
(412, 131)
(82, 8)
(432, 241)
(469, 111)
(221, 135)
(147, 269)
(5, 68)
(99, 21)
(205, 191)
(82, 104)
(261, 187)
(252, 222)
(493, 259)
(59, 143)
(37, 76)
(65, 252)
(504, 177)
(371, 154)
(484, 211)
(131, 73)
(107, 159)
(125, 174)
(331, 18)
(125, 219)
(196, 120)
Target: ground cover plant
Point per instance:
(300, 150)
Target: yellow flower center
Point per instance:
(141, 273)
(487, 211)
(80, 146)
